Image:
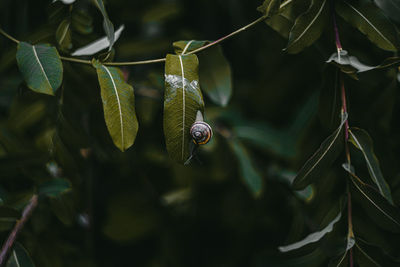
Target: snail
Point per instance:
(200, 131)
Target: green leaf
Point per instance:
(19, 257)
(385, 214)
(322, 158)
(63, 35)
(119, 106)
(308, 27)
(182, 101)
(8, 218)
(311, 238)
(40, 66)
(269, 7)
(107, 24)
(361, 140)
(369, 20)
(248, 172)
(351, 65)
(214, 70)
(390, 7)
(54, 187)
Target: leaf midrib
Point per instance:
(41, 67)
(119, 106)
(183, 107)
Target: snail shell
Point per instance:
(201, 132)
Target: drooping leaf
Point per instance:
(107, 24)
(19, 257)
(351, 65)
(361, 140)
(54, 187)
(8, 218)
(182, 101)
(214, 70)
(40, 66)
(369, 20)
(308, 27)
(322, 158)
(249, 174)
(269, 7)
(63, 35)
(97, 45)
(311, 238)
(283, 21)
(391, 8)
(383, 213)
(119, 106)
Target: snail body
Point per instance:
(200, 131)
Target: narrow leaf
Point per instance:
(40, 66)
(97, 45)
(182, 100)
(385, 212)
(308, 27)
(107, 24)
(369, 20)
(119, 106)
(19, 257)
(361, 140)
(54, 187)
(63, 35)
(311, 238)
(249, 174)
(322, 158)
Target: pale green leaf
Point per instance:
(249, 174)
(63, 35)
(322, 158)
(361, 140)
(19, 257)
(119, 106)
(369, 20)
(311, 238)
(40, 66)
(107, 24)
(182, 100)
(308, 27)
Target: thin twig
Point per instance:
(150, 61)
(26, 213)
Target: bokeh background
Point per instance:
(139, 208)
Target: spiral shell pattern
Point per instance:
(201, 132)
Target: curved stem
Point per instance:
(150, 61)
(26, 213)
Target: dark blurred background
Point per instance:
(139, 208)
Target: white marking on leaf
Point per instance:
(186, 47)
(41, 67)
(183, 107)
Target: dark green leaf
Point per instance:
(376, 205)
(368, 19)
(361, 140)
(107, 24)
(8, 218)
(54, 187)
(182, 101)
(248, 172)
(40, 66)
(269, 7)
(19, 257)
(308, 27)
(63, 35)
(322, 158)
(390, 7)
(119, 106)
(183, 47)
